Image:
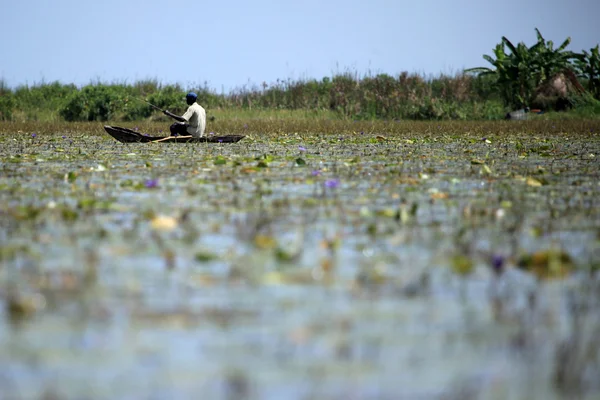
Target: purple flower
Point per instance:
(33, 135)
(484, 139)
(301, 148)
(211, 133)
(332, 183)
(151, 183)
(135, 129)
(64, 137)
(316, 172)
(497, 262)
(220, 140)
(362, 133)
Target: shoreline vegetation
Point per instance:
(345, 96)
(521, 77)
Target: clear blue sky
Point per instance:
(229, 44)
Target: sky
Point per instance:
(228, 45)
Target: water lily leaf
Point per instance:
(163, 223)
(386, 212)
(87, 203)
(439, 195)
(273, 278)
(547, 264)
(99, 168)
(69, 214)
(265, 242)
(220, 160)
(265, 157)
(461, 264)
(204, 256)
(283, 255)
(533, 182)
(71, 176)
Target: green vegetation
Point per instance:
(527, 76)
(345, 96)
(588, 66)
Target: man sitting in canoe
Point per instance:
(192, 123)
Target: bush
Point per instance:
(170, 97)
(585, 104)
(7, 105)
(94, 103)
(42, 100)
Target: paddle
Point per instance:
(150, 104)
(174, 138)
(167, 113)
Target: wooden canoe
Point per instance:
(125, 135)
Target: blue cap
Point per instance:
(192, 95)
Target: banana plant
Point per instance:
(588, 67)
(521, 70)
(503, 71)
(549, 61)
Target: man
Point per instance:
(193, 122)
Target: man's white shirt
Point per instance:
(195, 117)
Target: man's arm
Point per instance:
(175, 117)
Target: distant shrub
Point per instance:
(170, 97)
(94, 103)
(7, 105)
(38, 101)
(7, 102)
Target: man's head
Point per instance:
(191, 97)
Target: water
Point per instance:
(234, 281)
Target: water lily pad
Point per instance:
(163, 223)
(547, 264)
(533, 182)
(462, 264)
